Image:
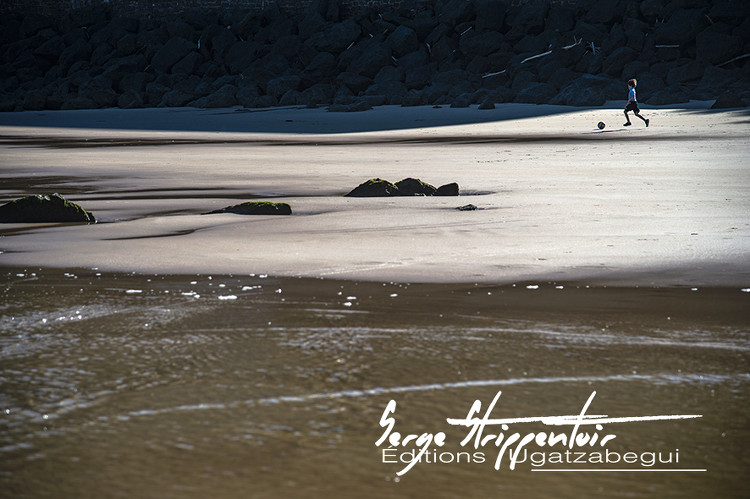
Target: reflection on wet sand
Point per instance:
(246, 385)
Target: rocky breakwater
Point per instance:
(449, 52)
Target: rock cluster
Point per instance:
(377, 187)
(447, 52)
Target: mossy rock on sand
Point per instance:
(375, 187)
(447, 190)
(43, 209)
(415, 187)
(256, 208)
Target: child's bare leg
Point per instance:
(638, 114)
(627, 118)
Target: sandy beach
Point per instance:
(558, 199)
(165, 353)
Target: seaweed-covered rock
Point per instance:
(467, 207)
(256, 208)
(43, 208)
(375, 187)
(447, 190)
(414, 187)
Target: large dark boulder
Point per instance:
(733, 12)
(413, 60)
(117, 69)
(454, 12)
(78, 51)
(220, 43)
(389, 73)
(373, 55)
(188, 64)
(51, 49)
(171, 53)
(536, 93)
(155, 92)
(528, 19)
(100, 91)
(283, 84)
(33, 23)
(176, 98)
(321, 67)
(652, 9)
(667, 97)
(329, 10)
(320, 93)
(423, 23)
(462, 101)
(255, 208)
(603, 11)
(402, 41)
(226, 96)
(615, 39)
(584, 91)
(414, 187)
(635, 33)
(617, 60)
(447, 190)
(728, 100)
(375, 187)
(242, 55)
(336, 38)
(681, 28)
(689, 71)
(717, 79)
(34, 100)
(393, 90)
(522, 79)
(354, 82)
(43, 208)
(418, 78)
(310, 24)
(717, 48)
(130, 100)
(473, 44)
(490, 14)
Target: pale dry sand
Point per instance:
(559, 200)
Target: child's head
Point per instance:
(632, 83)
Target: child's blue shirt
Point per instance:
(631, 94)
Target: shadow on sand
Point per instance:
(292, 120)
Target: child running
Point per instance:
(632, 104)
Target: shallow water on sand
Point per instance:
(122, 385)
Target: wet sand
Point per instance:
(558, 199)
(122, 385)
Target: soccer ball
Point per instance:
(601, 125)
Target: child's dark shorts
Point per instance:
(632, 106)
